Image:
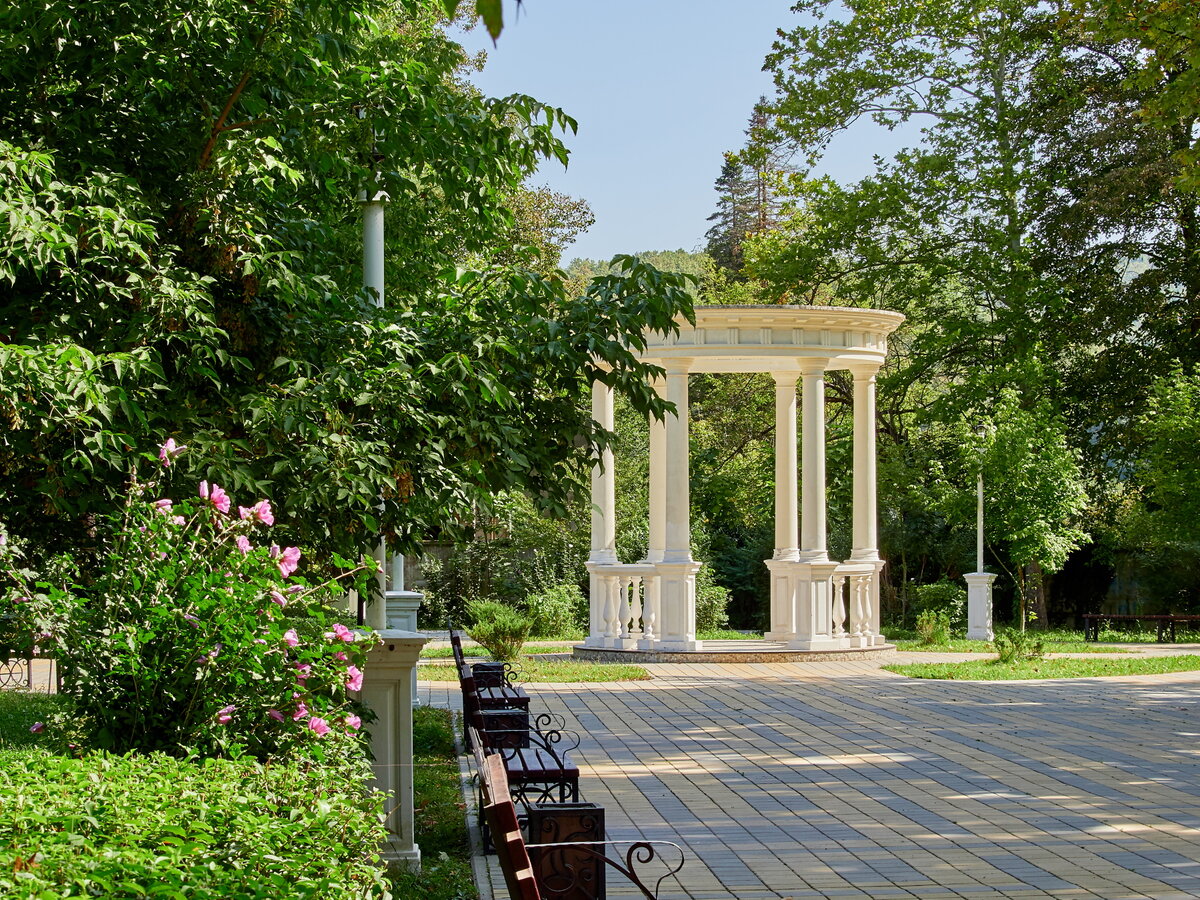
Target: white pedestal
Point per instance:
(677, 605)
(402, 609)
(979, 605)
(389, 678)
(783, 600)
(814, 606)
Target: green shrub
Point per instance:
(499, 629)
(933, 627)
(557, 611)
(1018, 646)
(944, 596)
(711, 602)
(152, 825)
(195, 635)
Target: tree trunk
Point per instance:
(1034, 578)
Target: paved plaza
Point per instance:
(839, 780)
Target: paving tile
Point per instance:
(823, 780)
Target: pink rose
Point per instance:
(37, 727)
(275, 714)
(179, 520)
(303, 671)
(260, 512)
(225, 714)
(341, 657)
(163, 506)
(354, 678)
(219, 499)
(169, 451)
(289, 561)
(353, 722)
(342, 633)
(277, 597)
(318, 725)
(243, 544)
(291, 638)
(300, 713)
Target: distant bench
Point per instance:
(1166, 624)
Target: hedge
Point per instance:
(155, 826)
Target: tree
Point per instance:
(178, 184)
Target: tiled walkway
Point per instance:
(838, 780)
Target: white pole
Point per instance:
(373, 282)
(979, 524)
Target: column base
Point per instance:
(820, 643)
(979, 605)
(678, 646)
(399, 857)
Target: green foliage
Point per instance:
(136, 826)
(933, 626)
(558, 610)
(187, 264)
(500, 630)
(941, 596)
(711, 600)
(21, 711)
(518, 552)
(1013, 645)
(535, 670)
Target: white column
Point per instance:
(678, 545)
(388, 676)
(812, 521)
(604, 483)
(658, 482)
(782, 626)
(604, 523)
(866, 534)
(677, 570)
(786, 469)
(813, 574)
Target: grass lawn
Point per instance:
(474, 651)
(728, 634)
(992, 670)
(1056, 641)
(533, 671)
(440, 815)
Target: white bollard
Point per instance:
(389, 679)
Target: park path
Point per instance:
(838, 780)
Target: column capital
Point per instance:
(864, 370)
(786, 379)
(810, 367)
(678, 365)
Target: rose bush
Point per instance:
(198, 637)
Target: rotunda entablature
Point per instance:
(775, 338)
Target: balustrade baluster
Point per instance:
(635, 607)
(611, 625)
(650, 612)
(839, 606)
(623, 612)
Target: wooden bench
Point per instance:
(493, 681)
(556, 873)
(1166, 624)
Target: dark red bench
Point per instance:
(557, 872)
(1166, 623)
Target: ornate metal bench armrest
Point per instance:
(637, 853)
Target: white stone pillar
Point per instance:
(866, 517)
(604, 483)
(604, 519)
(814, 572)
(786, 468)
(657, 506)
(979, 606)
(783, 580)
(388, 678)
(677, 570)
(812, 520)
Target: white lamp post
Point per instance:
(979, 582)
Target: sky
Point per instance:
(661, 89)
